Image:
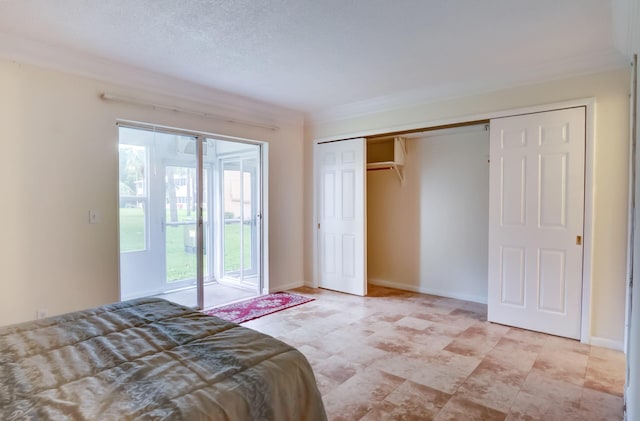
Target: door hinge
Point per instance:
(578, 240)
(318, 225)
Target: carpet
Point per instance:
(258, 307)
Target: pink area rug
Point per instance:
(258, 307)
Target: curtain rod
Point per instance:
(125, 100)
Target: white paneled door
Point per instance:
(341, 216)
(536, 215)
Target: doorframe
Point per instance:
(589, 195)
(316, 170)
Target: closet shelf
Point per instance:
(385, 165)
(387, 155)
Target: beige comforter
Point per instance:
(151, 359)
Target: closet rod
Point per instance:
(428, 129)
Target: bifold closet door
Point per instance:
(536, 215)
(341, 216)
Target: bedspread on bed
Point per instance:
(151, 359)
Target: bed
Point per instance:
(151, 359)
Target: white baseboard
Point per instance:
(607, 343)
(423, 290)
(285, 287)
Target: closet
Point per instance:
(422, 209)
(491, 213)
(428, 231)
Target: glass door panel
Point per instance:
(240, 215)
(249, 223)
(137, 272)
(181, 225)
(175, 204)
(133, 198)
(232, 217)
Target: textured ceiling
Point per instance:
(315, 55)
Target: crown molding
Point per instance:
(234, 106)
(579, 65)
(68, 61)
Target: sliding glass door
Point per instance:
(165, 186)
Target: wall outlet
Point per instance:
(41, 313)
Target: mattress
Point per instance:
(151, 359)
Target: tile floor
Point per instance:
(408, 356)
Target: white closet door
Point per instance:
(341, 216)
(536, 217)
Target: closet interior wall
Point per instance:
(429, 233)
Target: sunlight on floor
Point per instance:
(214, 295)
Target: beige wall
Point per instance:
(610, 90)
(58, 160)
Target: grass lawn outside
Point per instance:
(181, 257)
